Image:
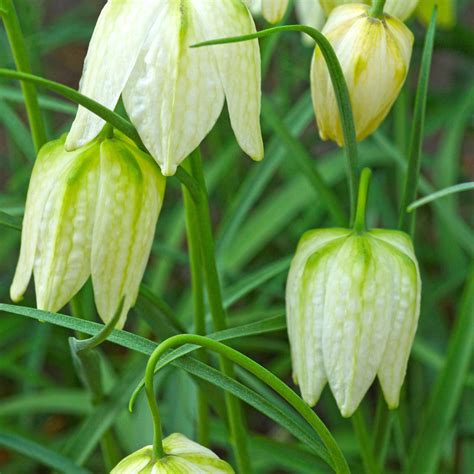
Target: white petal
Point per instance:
(239, 68)
(62, 263)
(48, 167)
(117, 40)
(402, 9)
(174, 95)
(406, 312)
(130, 198)
(274, 10)
(359, 302)
(305, 300)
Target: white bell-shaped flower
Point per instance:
(353, 303)
(173, 94)
(181, 456)
(91, 212)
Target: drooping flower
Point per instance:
(374, 55)
(90, 212)
(353, 304)
(182, 456)
(173, 93)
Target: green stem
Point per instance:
(69, 93)
(368, 458)
(383, 427)
(360, 224)
(407, 220)
(214, 293)
(377, 8)
(197, 286)
(340, 464)
(340, 88)
(158, 451)
(20, 55)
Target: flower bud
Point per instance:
(374, 55)
(91, 212)
(402, 9)
(182, 455)
(353, 302)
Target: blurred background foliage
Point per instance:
(260, 212)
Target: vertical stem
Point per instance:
(158, 451)
(360, 218)
(20, 55)
(377, 8)
(368, 458)
(236, 426)
(383, 426)
(199, 309)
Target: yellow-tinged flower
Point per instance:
(353, 302)
(182, 456)
(447, 17)
(92, 211)
(173, 93)
(374, 55)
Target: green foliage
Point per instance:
(259, 211)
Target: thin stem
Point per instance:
(158, 451)
(199, 309)
(382, 429)
(20, 55)
(407, 220)
(69, 93)
(368, 458)
(377, 8)
(360, 224)
(340, 88)
(340, 464)
(216, 305)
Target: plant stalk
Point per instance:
(20, 56)
(214, 293)
(377, 8)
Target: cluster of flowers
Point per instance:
(94, 199)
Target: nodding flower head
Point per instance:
(181, 455)
(375, 55)
(90, 212)
(173, 93)
(353, 302)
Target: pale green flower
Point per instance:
(374, 55)
(173, 93)
(353, 302)
(91, 212)
(182, 456)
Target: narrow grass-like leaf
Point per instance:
(407, 220)
(294, 425)
(39, 453)
(427, 448)
(13, 222)
(440, 194)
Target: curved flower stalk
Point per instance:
(374, 55)
(353, 302)
(173, 94)
(308, 13)
(91, 212)
(181, 455)
(402, 9)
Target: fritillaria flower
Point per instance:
(402, 9)
(90, 212)
(173, 94)
(374, 54)
(353, 302)
(181, 456)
